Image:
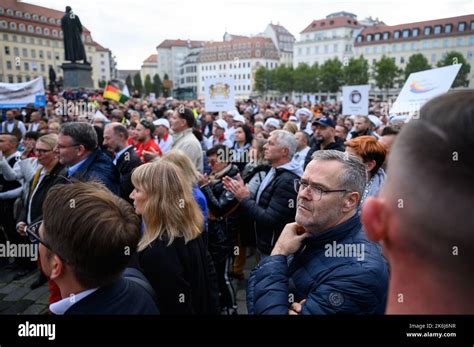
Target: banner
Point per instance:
(355, 100)
(219, 94)
(423, 86)
(17, 95)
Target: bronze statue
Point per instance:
(72, 30)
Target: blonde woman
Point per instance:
(171, 252)
(180, 159)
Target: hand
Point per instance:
(203, 179)
(290, 239)
(237, 187)
(21, 228)
(296, 307)
(150, 155)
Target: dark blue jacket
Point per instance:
(121, 297)
(330, 284)
(98, 166)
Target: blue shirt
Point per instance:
(72, 169)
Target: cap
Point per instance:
(305, 112)
(292, 118)
(221, 124)
(325, 122)
(239, 118)
(375, 121)
(162, 121)
(272, 122)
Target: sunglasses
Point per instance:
(32, 231)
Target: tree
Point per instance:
(284, 79)
(453, 57)
(102, 84)
(261, 80)
(314, 79)
(385, 73)
(166, 91)
(416, 62)
(356, 71)
(148, 85)
(302, 78)
(137, 82)
(157, 85)
(128, 82)
(331, 75)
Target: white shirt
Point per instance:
(165, 146)
(60, 307)
(307, 130)
(117, 156)
(300, 156)
(230, 135)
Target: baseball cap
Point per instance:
(305, 112)
(325, 122)
(239, 118)
(375, 121)
(162, 121)
(221, 124)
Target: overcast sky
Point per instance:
(133, 28)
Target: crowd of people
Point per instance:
(153, 206)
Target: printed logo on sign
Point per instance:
(336, 299)
(37, 330)
(355, 97)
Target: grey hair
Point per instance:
(354, 177)
(81, 133)
(287, 140)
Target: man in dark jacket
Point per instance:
(325, 138)
(126, 159)
(78, 151)
(87, 265)
(323, 263)
(275, 203)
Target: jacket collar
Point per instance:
(340, 231)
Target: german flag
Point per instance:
(114, 93)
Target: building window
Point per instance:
(10, 79)
(25, 52)
(33, 53)
(427, 31)
(27, 66)
(336, 47)
(10, 12)
(359, 38)
(375, 49)
(383, 49)
(23, 39)
(413, 46)
(16, 51)
(39, 30)
(396, 34)
(377, 37)
(461, 26)
(471, 40)
(13, 25)
(459, 41)
(299, 50)
(446, 43)
(14, 38)
(472, 25)
(32, 40)
(41, 54)
(402, 60)
(435, 44)
(7, 50)
(425, 44)
(415, 32)
(433, 58)
(448, 28)
(394, 47)
(9, 65)
(31, 29)
(386, 35)
(326, 49)
(46, 31)
(437, 29)
(369, 38)
(52, 21)
(366, 50)
(27, 15)
(406, 33)
(22, 27)
(55, 33)
(48, 54)
(27, 78)
(42, 68)
(403, 46)
(19, 79)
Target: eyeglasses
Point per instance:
(33, 234)
(317, 192)
(42, 151)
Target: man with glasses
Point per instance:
(78, 150)
(323, 263)
(87, 265)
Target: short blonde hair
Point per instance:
(291, 127)
(181, 160)
(171, 209)
(51, 140)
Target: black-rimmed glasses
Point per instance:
(317, 192)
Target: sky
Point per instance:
(132, 29)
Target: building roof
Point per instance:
(391, 29)
(331, 23)
(151, 59)
(180, 43)
(100, 48)
(242, 48)
(24, 7)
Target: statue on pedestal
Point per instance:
(72, 30)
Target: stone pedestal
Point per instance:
(77, 75)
